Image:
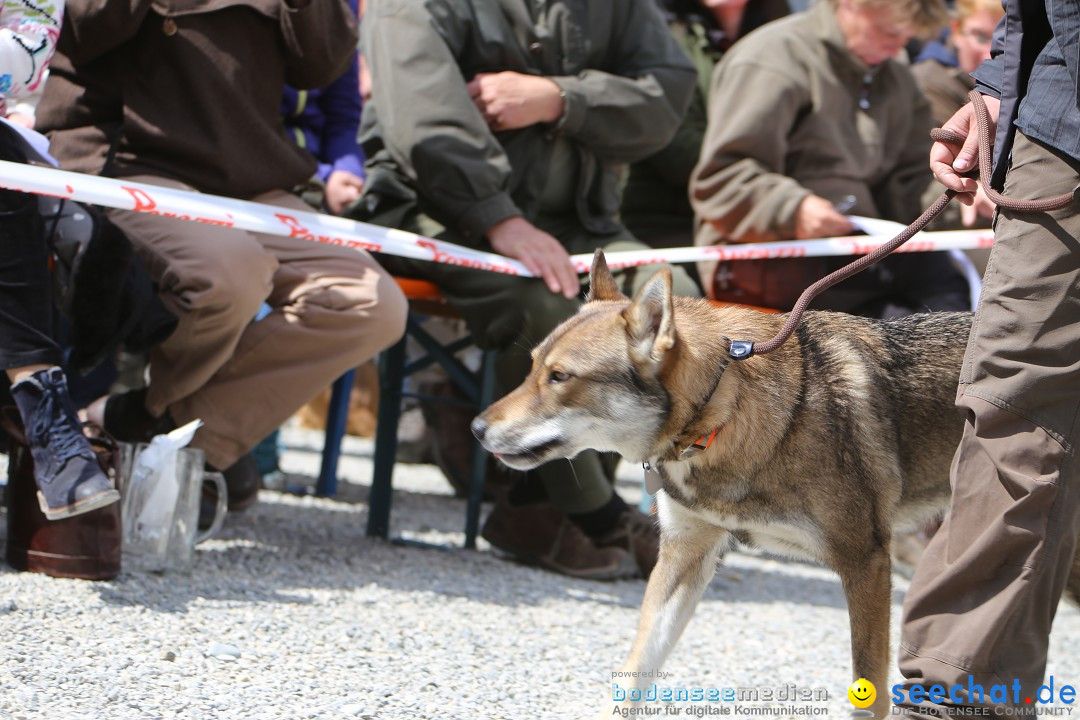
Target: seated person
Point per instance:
(324, 121)
(191, 100)
(69, 480)
(809, 112)
(503, 131)
(943, 70)
(655, 202)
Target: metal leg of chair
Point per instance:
(480, 456)
(391, 376)
(336, 418)
(445, 357)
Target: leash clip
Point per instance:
(741, 349)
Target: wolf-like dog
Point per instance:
(818, 450)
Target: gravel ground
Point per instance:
(292, 613)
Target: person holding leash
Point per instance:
(983, 599)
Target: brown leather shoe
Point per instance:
(541, 534)
(452, 442)
(637, 534)
(242, 480)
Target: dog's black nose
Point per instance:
(479, 427)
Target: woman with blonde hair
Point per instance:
(943, 67)
(943, 71)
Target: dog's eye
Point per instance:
(558, 376)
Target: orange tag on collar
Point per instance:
(700, 445)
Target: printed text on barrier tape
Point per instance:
(331, 230)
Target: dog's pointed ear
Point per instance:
(602, 285)
(650, 321)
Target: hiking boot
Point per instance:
(639, 535)
(541, 534)
(69, 479)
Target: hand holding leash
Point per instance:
(955, 152)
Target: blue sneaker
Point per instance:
(69, 479)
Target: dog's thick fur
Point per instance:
(825, 446)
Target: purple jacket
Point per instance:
(325, 121)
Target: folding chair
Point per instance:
(479, 387)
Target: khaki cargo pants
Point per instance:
(984, 595)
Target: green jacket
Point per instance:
(785, 121)
(626, 86)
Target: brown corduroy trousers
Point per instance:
(332, 308)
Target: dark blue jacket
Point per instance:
(1035, 70)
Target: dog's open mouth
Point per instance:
(528, 458)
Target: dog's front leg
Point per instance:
(867, 584)
(688, 554)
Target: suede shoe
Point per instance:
(452, 442)
(541, 534)
(242, 480)
(69, 480)
(127, 419)
(637, 534)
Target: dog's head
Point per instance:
(596, 381)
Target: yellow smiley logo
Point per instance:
(862, 693)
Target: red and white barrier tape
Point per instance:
(273, 220)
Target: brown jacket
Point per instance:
(947, 90)
(785, 121)
(945, 87)
(191, 89)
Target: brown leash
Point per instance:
(742, 349)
